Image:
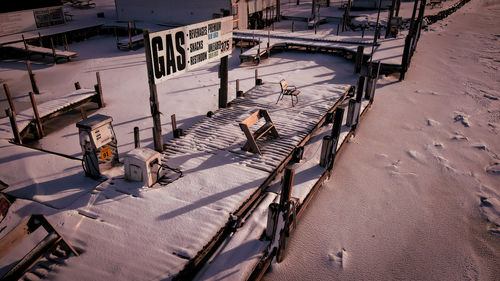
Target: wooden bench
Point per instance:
(268, 127)
(287, 90)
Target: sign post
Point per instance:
(175, 51)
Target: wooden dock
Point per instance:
(50, 109)
(45, 52)
(306, 42)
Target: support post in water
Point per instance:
(223, 73)
(175, 132)
(359, 59)
(239, 93)
(34, 84)
(13, 124)
(66, 47)
(98, 89)
(9, 98)
(286, 192)
(129, 36)
(77, 86)
(354, 108)
(40, 41)
(153, 97)
(335, 135)
(53, 49)
(137, 140)
(38, 121)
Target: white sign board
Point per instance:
(178, 50)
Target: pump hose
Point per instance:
(165, 181)
(87, 158)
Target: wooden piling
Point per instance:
(359, 59)
(224, 70)
(174, 125)
(34, 83)
(53, 49)
(335, 134)
(40, 41)
(293, 26)
(77, 85)
(13, 124)
(256, 76)
(286, 192)
(338, 27)
(66, 47)
(9, 98)
(38, 121)
(98, 89)
(137, 140)
(129, 36)
(83, 113)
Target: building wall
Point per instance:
(180, 12)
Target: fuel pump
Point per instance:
(99, 145)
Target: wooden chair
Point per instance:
(268, 127)
(287, 90)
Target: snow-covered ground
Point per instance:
(412, 194)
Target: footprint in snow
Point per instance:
(493, 169)
(462, 118)
(339, 259)
(490, 207)
(459, 136)
(432, 123)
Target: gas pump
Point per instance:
(99, 145)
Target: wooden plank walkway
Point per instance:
(308, 41)
(37, 50)
(52, 108)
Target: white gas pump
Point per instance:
(99, 145)
(143, 165)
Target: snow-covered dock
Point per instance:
(277, 39)
(37, 50)
(53, 108)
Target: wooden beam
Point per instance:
(37, 116)
(9, 98)
(13, 124)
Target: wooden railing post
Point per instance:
(9, 98)
(335, 135)
(359, 59)
(137, 140)
(286, 192)
(38, 121)
(98, 89)
(13, 124)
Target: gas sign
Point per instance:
(177, 50)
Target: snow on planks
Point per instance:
(52, 107)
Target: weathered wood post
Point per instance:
(175, 132)
(239, 93)
(77, 85)
(66, 47)
(363, 31)
(326, 148)
(26, 47)
(83, 113)
(335, 134)
(34, 84)
(223, 74)
(286, 192)
(338, 27)
(354, 108)
(40, 41)
(153, 97)
(137, 140)
(98, 89)
(389, 20)
(53, 49)
(406, 57)
(359, 59)
(9, 98)
(39, 126)
(13, 124)
(129, 36)
(293, 26)
(256, 77)
(116, 38)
